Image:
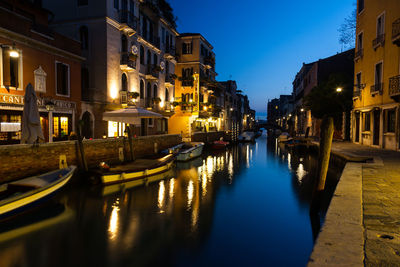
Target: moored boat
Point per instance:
(190, 151)
(219, 144)
(140, 171)
(247, 137)
(19, 196)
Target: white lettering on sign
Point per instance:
(19, 99)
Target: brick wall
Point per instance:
(18, 161)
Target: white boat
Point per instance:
(284, 137)
(247, 137)
(190, 151)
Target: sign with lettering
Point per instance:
(19, 100)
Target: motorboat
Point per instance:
(190, 151)
(247, 137)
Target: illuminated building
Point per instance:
(30, 52)
(375, 116)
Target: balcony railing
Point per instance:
(396, 32)
(377, 88)
(154, 40)
(359, 54)
(357, 93)
(126, 17)
(378, 41)
(152, 71)
(210, 61)
(128, 60)
(170, 50)
(170, 79)
(187, 81)
(394, 86)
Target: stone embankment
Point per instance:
(362, 226)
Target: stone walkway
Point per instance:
(380, 180)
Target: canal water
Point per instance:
(246, 206)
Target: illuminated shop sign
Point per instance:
(19, 100)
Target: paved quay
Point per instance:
(362, 226)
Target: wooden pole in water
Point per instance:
(81, 148)
(130, 141)
(325, 146)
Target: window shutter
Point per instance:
(6, 68)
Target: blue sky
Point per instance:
(261, 43)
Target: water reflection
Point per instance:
(233, 207)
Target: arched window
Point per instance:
(124, 44)
(141, 89)
(142, 55)
(155, 93)
(148, 93)
(166, 94)
(155, 59)
(183, 98)
(124, 82)
(84, 34)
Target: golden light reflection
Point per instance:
(301, 173)
(230, 167)
(204, 184)
(114, 218)
(289, 161)
(190, 190)
(210, 166)
(171, 188)
(161, 196)
(247, 157)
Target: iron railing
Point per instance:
(396, 32)
(170, 49)
(153, 70)
(359, 53)
(128, 59)
(126, 17)
(378, 41)
(394, 86)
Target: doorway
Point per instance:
(376, 127)
(357, 137)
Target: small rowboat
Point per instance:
(21, 195)
(141, 170)
(220, 144)
(190, 151)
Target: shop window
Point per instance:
(56, 127)
(390, 120)
(62, 79)
(10, 128)
(61, 127)
(367, 121)
(11, 71)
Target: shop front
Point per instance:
(57, 118)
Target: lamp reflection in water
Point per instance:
(171, 188)
(247, 156)
(301, 173)
(204, 184)
(289, 161)
(161, 196)
(114, 218)
(230, 168)
(190, 190)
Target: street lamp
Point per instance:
(302, 110)
(339, 89)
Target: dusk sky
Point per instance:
(262, 44)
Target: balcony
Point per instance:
(170, 79)
(378, 41)
(151, 40)
(127, 19)
(152, 72)
(376, 89)
(396, 32)
(357, 93)
(359, 54)
(128, 61)
(170, 51)
(209, 61)
(394, 88)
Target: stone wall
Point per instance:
(18, 161)
(207, 137)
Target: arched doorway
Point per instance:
(87, 126)
(124, 82)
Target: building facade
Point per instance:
(375, 116)
(129, 48)
(30, 52)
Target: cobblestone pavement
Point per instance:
(381, 202)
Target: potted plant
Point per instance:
(156, 100)
(132, 57)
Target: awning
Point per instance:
(129, 115)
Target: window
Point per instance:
(83, 33)
(61, 127)
(82, 2)
(155, 91)
(186, 48)
(84, 82)
(132, 7)
(378, 74)
(116, 4)
(360, 6)
(367, 121)
(62, 79)
(142, 55)
(148, 57)
(163, 34)
(124, 82)
(166, 95)
(155, 59)
(151, 122)
(360, 41)
(390, 120)
(11, 69)
(380, 25)
(141, 89)
(358, 81)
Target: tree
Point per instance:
(326, 103)
(347, 30)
